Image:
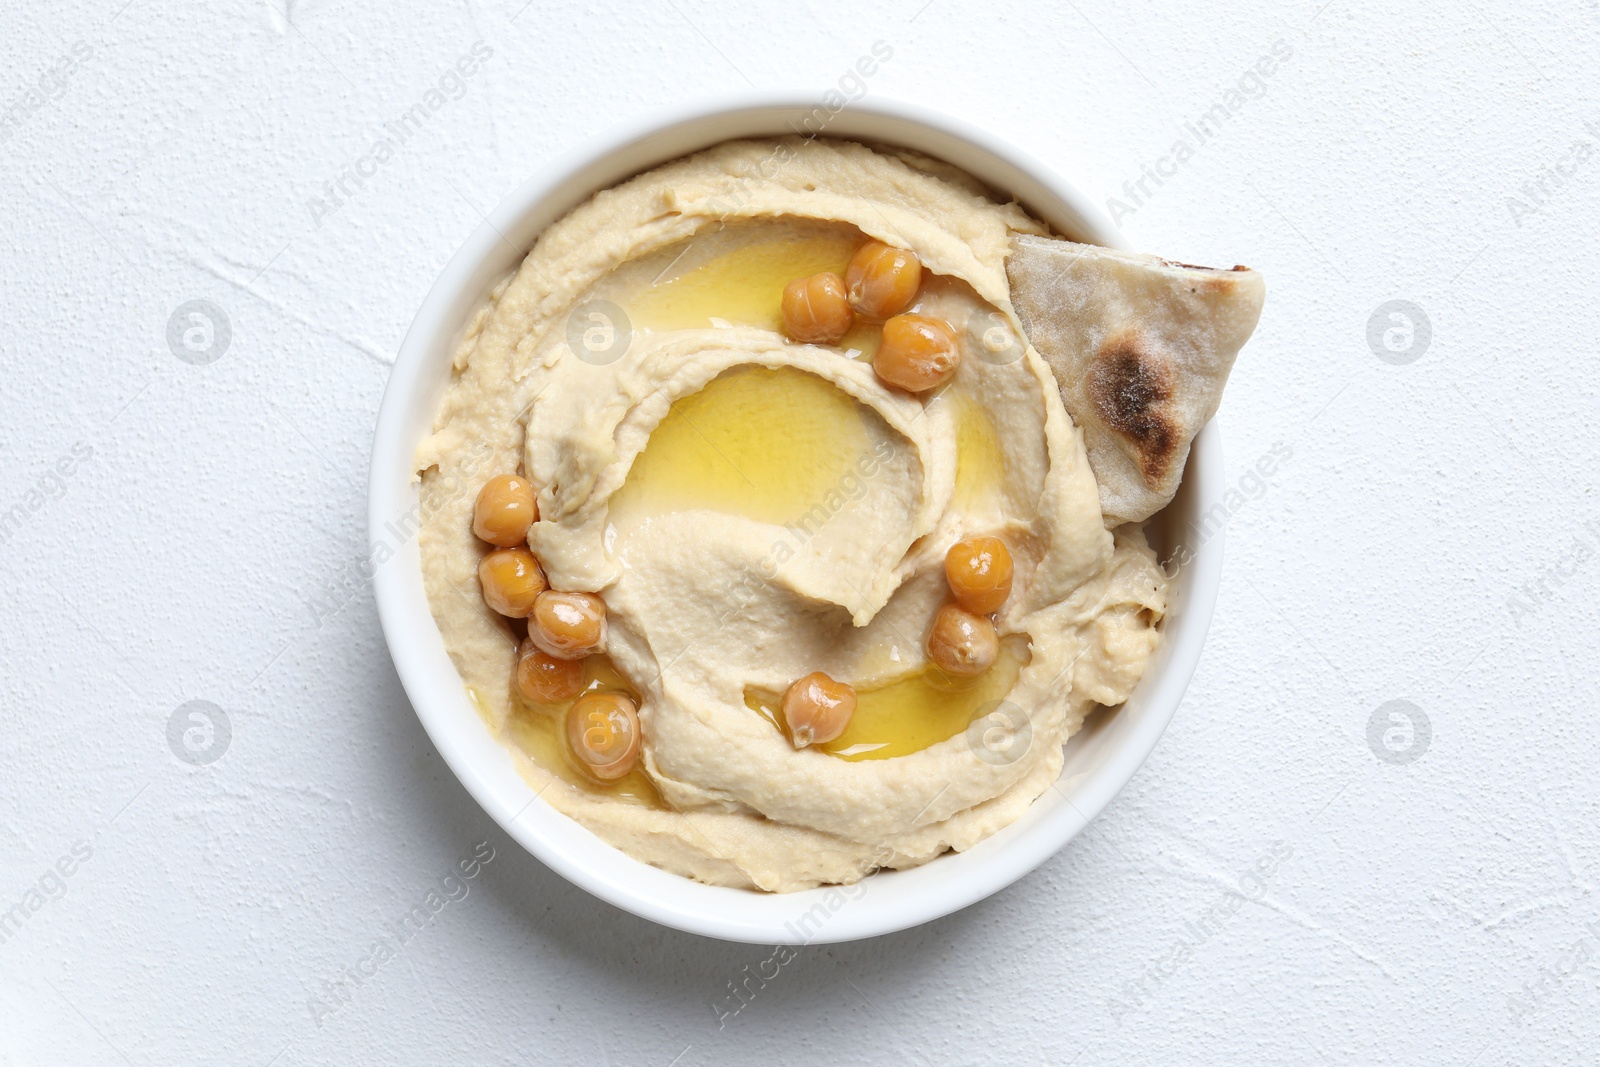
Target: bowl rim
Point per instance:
(886, 901)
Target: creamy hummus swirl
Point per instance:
(709, 603)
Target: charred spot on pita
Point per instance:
(1130, 385)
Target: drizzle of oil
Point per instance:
(862, 340)
(743, 286)
(480, 706)
(980, 465)
(763, 443)
(539, 731)
(912, 712)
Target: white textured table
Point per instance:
(175, 531)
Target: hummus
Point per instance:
(751, 509)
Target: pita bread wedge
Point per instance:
(1141, 348)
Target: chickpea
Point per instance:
(918, 353)
(817, 709)
(816, 310)
(882, 280)
(511, 581)
(962, 644)
(978, 570)
(603, 733)
(504, 511)
(544, 679)
(568, 625)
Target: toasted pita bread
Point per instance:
(1141, 348)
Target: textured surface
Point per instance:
(1429, 534)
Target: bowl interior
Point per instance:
(1099, 760)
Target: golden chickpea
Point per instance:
(511, 581)
(962, 644)
(978, 570)
(603, 733)
(504, 511)
(918, 353)
(568, 625)
(882, 280)
(816, 310)
(817, 709)
(544, 679)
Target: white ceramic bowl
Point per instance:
(1099, 761)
